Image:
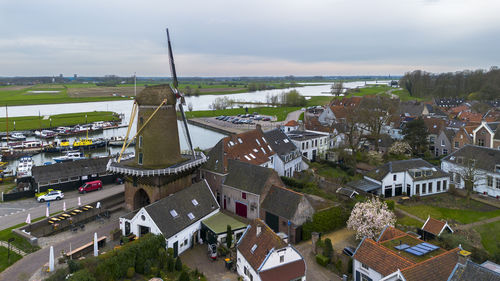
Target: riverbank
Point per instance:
(26, 123)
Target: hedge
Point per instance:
(322, 260)
(325, 221)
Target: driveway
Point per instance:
(213, 270)
(314, 270)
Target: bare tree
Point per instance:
(374, 113)
(469, 173)
(337, 88)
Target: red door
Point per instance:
(241, 209)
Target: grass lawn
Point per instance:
(408, 221)
(19, 242)
(279, 112)
(489, 236)
(332, 172)
(4, 263)
(404, 95)
(464, 216)
(69, 119)
(319, 100)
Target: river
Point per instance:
(202, 138)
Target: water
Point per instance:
(201, 137)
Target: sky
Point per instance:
(247, 38)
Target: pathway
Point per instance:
(477, 223)
(314, 270)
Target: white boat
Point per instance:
(118, 141)
(97, 125)
(24, 167)
(15, 136)
(45, 134)
(69, 156)
(26, 145)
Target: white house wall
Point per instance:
(289, 253)
(241, 263)
(372, 274)
(480, 182)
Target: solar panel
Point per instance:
(402, 247)
(422, 248)
(414, 252)
(434, 247)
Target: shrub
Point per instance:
(322, 260)
(82, 275)
(178, 264)
(292, 182)
(390, 204)
(130, 272)
(328, 249)
(229, 237)
(184, 276)
(58, 275)
(73, 266)
(338, 265)
(324, 221)
(170, 264)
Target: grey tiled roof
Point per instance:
(473, 271)
(281, 144)
(282, 202)
(486, 158)
(65, 170)
(363, 185)
(215, 158)
(380, 172)
(181, 202)
(246, 176)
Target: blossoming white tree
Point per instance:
(370, 217)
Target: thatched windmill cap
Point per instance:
(154, 95)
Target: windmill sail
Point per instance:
(178, 94)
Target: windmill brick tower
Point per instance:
(158, 168)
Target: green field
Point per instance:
(463, 216)
(69, 119)
(4, 262)
(409, 221)
(489, 237)
(280, 112)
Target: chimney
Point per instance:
(463, 256)
(259, 229)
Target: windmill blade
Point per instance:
(178, 94)
(172, 64)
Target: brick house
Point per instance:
(444, 142)
(461, 138)
(285, 211)
(487, 134)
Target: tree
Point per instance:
(416, 134)
(328, 251)
(229, 237)
(369, 218)
(178, 264)
(374, 112)
(469, 173)
(400, 148)
(337, 88)
(221, 103)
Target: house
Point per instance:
(214, 229)
(400, 256)
(384, 142)
(177, 217)
(483, 162)
(414, 109)
(444, 142)
(261, 255)
(291, 125)
(448, 102)
(410, 177)
(472, 271)
(487, 134)
(285, 211)
(434, 228)
(287, 158)
(245, 187)
(310, 143)
(334, 114)
(462, 137)
(434, 127)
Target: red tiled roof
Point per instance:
(437, 268)
(347, 102)
(390, 233)
(312, 123)
(265, 241)
(434, 125)
(340, 111)
(291, 123)
(286, 272)
(470, 116)
(433, 226)
(378, 257)
(252, 143)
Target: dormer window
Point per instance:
(428, 173)
(418, 174)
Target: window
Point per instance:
(457, 145)
(445, 151)
(245, 270)
(282, 259)
(316, 143)
(253, 248)
(458, 178)
(444, 185)
(431, 139)
(303, 146)
(438, 185)
(424, 188)
(185, 242)
(394, 177)
(244, 195)
(307, 144)
(489, 179)
(417, 189)
(365, 266)
(480, 142)
(498, 182)
(430, 187)
(190, 216)
(140, 141)
(141, 120)
(174, 213)
(418, 174)
(442, 142)
(139, 160)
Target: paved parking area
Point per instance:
(213, 270)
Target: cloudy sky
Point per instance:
(247, 38)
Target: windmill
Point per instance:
(178, 94)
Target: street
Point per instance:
(15, 212)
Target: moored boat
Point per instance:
(69, 156)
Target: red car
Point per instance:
(90, 186)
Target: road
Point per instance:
(30, 264)
(15, 212)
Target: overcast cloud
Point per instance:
(247, 38)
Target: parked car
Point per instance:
(349, 251)
(266, 119)
(51, 195)
(90, 186)
(257, 118)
